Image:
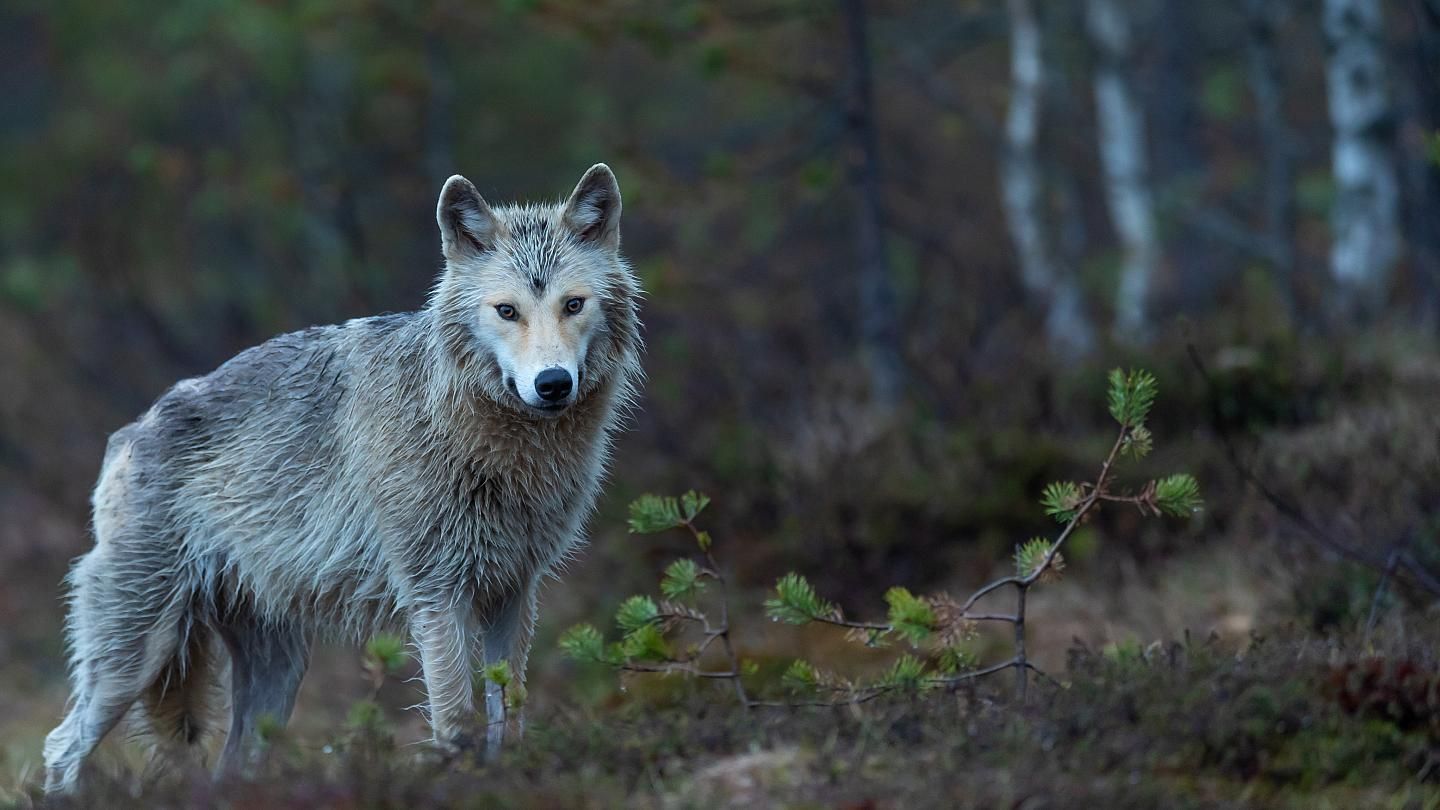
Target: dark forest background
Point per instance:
(889, 247)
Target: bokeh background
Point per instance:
(890, 249)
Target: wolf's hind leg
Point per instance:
(267, 663)
(122, 639)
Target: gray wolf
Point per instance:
(419, 472)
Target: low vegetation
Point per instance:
(1346, 715)
(674, 634)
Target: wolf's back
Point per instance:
(258, 472)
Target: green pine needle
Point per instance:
(795, 602)
(682, 580)
(636, 612)
(585, 644)
(1178, 495)
(800, 677)
(387, 651)
(498, 673)
(645, 643)
(1138, 442)
(1061, 500)
(956, 661)
(650, 514)
(366, 715)
(653, 513)
(693, 503)
(1131, 396)
(1030, 555)
(907, 674)
(910, 616)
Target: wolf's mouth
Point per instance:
(547, 409)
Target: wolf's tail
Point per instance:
(179, 709)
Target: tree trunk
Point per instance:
(1121, 131)
(1179, 162)
(1023, 192)
(1277, 152)
(879, 322)
(1422, 168)
(1365, 218)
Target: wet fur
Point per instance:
(343, 480)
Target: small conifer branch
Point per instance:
(952, 680)
(840, 621)
(991, 617)
(712, 570)
(671, 667)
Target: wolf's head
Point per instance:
(536, 305)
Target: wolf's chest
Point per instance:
(512, 522)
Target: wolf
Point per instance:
(418, 472)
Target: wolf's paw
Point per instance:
(451, 749)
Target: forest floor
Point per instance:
(1290, 720)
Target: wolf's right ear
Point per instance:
(468, 228)
(593, 210)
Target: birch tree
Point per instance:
(1121, 132)
(1365, 216)
(1023, 192)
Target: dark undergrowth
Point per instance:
(1305, 721)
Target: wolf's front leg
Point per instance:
(507, 638)
(443, 635)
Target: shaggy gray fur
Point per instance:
(387, 473)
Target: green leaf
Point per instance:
(1131, 396)
(910, 616)
(1178, 495)
(1061, 500)
(800, 677)
(907, 674)
(645, 643)
(682, 580)
(636, 612)
(795, 602)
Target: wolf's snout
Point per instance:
(553, 384)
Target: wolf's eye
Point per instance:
(574, 305)
(507, 312)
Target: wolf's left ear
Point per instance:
(593, 210)
(468, 228)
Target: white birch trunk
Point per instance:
(1121, 126)
(1022, 189)
(1365, 217)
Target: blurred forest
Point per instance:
(889, 247)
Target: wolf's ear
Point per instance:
(593, 210)
(468, 228)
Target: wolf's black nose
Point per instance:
(553, 384)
